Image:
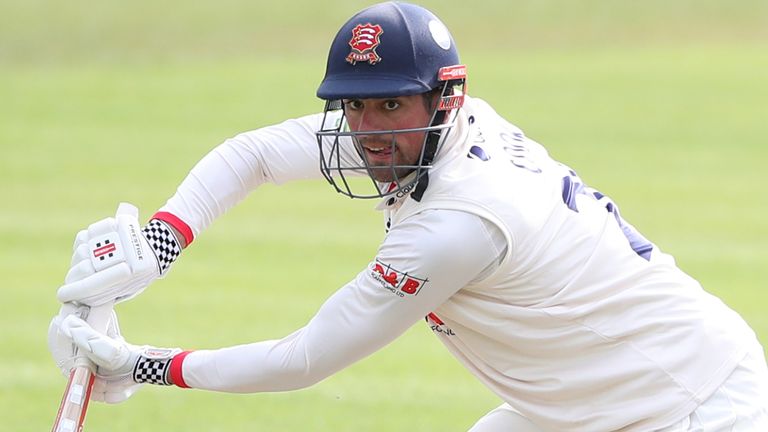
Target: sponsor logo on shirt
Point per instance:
(437, 325)
(399, 194)
(399, 283)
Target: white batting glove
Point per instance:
(109, 389)
(121, 368)
(115, 259)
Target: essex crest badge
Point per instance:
(365, 39)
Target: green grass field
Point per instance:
(662, 105)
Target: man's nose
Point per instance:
(367, 120)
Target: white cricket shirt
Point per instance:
(530, 278)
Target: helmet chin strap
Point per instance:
(421, 186)
(430, 148)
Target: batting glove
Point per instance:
(115, 259)
(121, 368)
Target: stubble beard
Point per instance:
(382, 169)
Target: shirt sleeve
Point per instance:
(273, 154)
(423, 261)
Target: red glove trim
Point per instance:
(177, 223)
(175, 369)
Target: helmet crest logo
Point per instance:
(365, 39)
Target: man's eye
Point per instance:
(391, 105)
(354, 104)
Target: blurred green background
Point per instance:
(663, 105)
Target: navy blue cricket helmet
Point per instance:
(388, 50)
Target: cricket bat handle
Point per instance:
(74, 403)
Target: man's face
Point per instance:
(403, 112)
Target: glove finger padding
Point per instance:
(96, 288)
(79, 270)
(61, 346)
(80, 238)
(102, 227)
(127, 210)
(80, 251)
(112, 355)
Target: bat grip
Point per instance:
(74, 403)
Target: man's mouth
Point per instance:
(382, 149)
(378, 151)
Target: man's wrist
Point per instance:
(180, 228)
(164, 243)
(160, 366)
(175, 370)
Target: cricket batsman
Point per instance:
(529, 277)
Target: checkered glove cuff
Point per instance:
(153, 365)
(163, 242)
